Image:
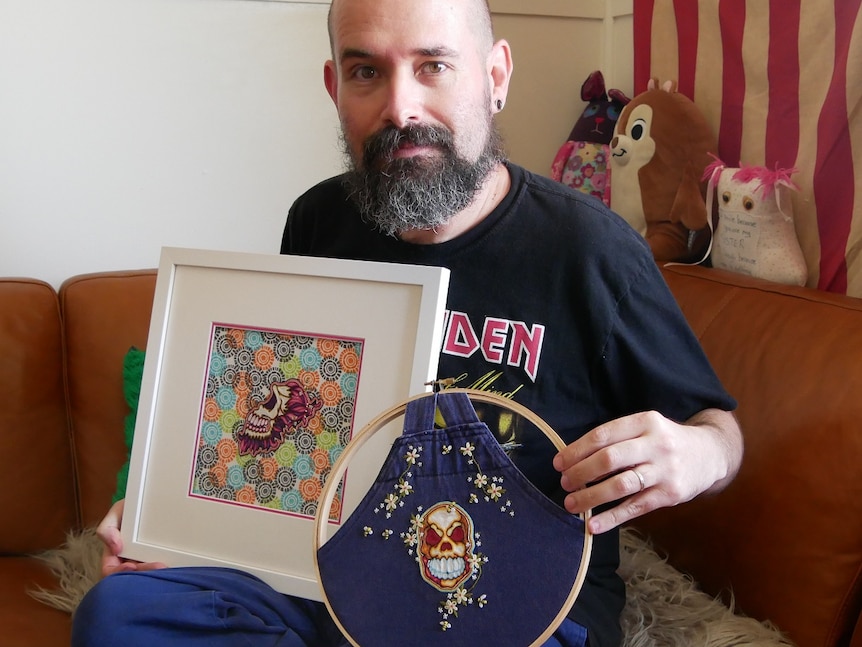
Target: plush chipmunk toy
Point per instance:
(661, 146)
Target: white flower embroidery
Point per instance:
(412, 455)
(404, 488)
(495, 491)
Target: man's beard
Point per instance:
(417, 192)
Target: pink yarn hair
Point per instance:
(769, 179)
(710, 173)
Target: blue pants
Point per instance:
(214, 607)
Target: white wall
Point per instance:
(127, 125)
(556, 45)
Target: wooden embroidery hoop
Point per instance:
(330, 488)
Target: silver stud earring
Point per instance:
(499, 104)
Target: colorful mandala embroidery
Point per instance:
(277, 414)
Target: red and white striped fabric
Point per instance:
(781, 83)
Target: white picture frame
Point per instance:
(372, 329)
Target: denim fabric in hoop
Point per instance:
(452, 544)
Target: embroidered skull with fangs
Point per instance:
(287, 408)
(446, 546)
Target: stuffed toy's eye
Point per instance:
(748, 203)
(591, 110)
(725, 197)
(638, 129)
(613, 112)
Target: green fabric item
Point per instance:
(133, 370)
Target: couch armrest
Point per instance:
(37, 489)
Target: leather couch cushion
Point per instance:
(105, 314)
(787, 531)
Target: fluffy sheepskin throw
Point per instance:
(664, 608)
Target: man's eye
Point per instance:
(365, 73)
(434, 67)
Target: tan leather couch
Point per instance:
(785, 538)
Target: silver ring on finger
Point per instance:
(640, 478)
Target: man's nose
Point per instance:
(404, 100)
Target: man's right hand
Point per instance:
(109, 532)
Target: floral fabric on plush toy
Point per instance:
(755, 234)
(585, 166)
(583, 162)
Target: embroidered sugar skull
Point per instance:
(443, 539)
(446, 545)
(287, 408)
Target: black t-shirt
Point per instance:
(555, 301)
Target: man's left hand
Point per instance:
(645, 461)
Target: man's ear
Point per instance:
(330, 80)
(500, 68)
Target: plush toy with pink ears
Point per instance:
(755, 233)
(583, 161)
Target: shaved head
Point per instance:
(480, 16)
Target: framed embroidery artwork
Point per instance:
(259, 370)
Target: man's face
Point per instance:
(412, 84)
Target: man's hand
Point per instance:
(645, 461)
(109, 532)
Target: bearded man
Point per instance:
(560, 299)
